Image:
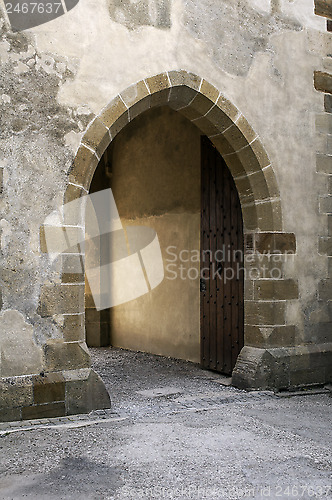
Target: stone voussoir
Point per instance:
(97, 137)
(185, 78)
(83, 167)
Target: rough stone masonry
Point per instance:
(254, 76)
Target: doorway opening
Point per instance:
(156, 168)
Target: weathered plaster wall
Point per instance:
(156, 183)
(260, 54)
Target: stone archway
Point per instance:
(260, 364)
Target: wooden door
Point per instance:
(222, 275)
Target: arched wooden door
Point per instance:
(222, 275)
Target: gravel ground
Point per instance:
(178, 432)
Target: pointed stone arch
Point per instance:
(215, 116)
(260, 364)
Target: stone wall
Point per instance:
(69, 86)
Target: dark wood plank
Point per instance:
(227, 282)
(219, 246)
(213, 281)
(205, 221)
(222, 321)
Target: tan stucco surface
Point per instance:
(155, 163)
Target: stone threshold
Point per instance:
(71, 422)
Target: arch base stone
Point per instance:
(52, 394)
(284, 368)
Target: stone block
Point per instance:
(329, 225)
(260, 153)
(92, 333)
(236, 167)
(246, 129)
(61, 355)
(282, 368)
(269, 215)
(50, 410)
(325, 245)
(222, 122)
(328, 103)
(303, 378)
(265, 313)
(71, 325)
(322, 332)
(249, 160)
(61, 299)
(281, 336)
(74, 213)
(181, 97)
(324, 164)
(83, 167)
(222, 145)
(227, 108)
(205, 126)
(249, 241)
(119, 124)
(48, 388)
(10, 414)
(253, 336)
(324, 123)
(157, 83)
(135, 93)
(325, 204)
(97, 137)
(249, 214)
(199, 106)
(277, 243)
(276, 289)
(209, 91)
(321, 142)
(267, 337)
(160, 98)
(323, 8)
(69, 266)
(115, 110)
(259, 186)
(261, 369)
(248, 289)
(73, 278)
(83, 396)
(184, 78)
(140, 107)
(244, 189)
(271, 181)
(97, 334)
(236, 139)
(329, 266)
(73, 328)
(323, 82)
(73, 192)
(264, 267)
(58, 239)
